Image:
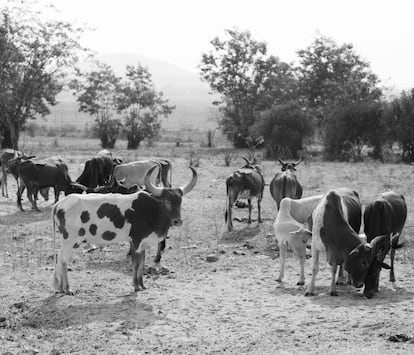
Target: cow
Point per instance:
(134, 172)
(285, 183)
(336, 223)
(290, 231)
(141, 218)
(35, 176)
(97, 171)
(386, 215)
(245, 183)
(5, 156)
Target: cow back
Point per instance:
(387, 214)
(285, 184)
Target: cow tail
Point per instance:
(395, 244)
(170, 173)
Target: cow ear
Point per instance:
(381, 246)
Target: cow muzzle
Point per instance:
(177, 222)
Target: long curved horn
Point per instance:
(281, 161)
(246, 160)
(298, 162)
(154, 190)
(187, 188)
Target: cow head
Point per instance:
(289, 165)
(360, 259)
(372, 278)
(171, 197)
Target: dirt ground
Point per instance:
(191, 306)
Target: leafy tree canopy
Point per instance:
(35, 55)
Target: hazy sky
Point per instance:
(179, 31)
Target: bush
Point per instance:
(351, 128)
(284, 128)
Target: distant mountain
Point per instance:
(181, 87)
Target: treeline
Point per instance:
(330, 95)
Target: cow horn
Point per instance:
(187, 188)
(246, 160)
(281, 161)
(154, 190)
(298, 162)
(80, 186)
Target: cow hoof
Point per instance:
(334, 293)
(157, 260)
(279, 279)
(308, 293)
(300, 283)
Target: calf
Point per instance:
(290, 230)
(285, 183)
(336, 222)
(384, 216)
(245, 183)
(141, 218)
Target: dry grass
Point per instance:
(233, 305)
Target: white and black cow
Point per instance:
(386, 215)
(290, 230)
(141, 218)
(336, 223)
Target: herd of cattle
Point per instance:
(332, 221)
(136, 202)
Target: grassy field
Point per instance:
(192, 306)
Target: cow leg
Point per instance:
(333, 276)
(249, 220)
(259, 211)
(283, 252)
(56, 190)
(3, 183)
(341, 276)
(19, 196)
(392, 255)
(60, 275)
(315, 269)
(31, 196)
(228, 214)
(302, 270)
(161, 248)
(138, 260)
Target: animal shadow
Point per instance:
(57, 313)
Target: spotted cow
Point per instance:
(141, 218)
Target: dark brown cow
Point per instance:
(384, 216)
(245, 183)
(35, 176)
(141, 218)
(285, 184)
(97, 171)
(336, 223)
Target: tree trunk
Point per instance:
(6, 138)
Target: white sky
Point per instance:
(179, 31)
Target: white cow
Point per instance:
(290, 230)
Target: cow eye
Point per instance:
(364, 263)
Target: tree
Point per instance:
(248, 80)
(332, 76)
(284, 128)
(400, 117)
(35, 55)
(354, 126)
(141, 106)
(98, 90)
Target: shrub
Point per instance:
(284, 128)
